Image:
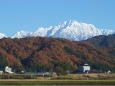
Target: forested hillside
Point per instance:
(34, 54)
(105, 43)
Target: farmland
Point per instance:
(67, 80)
(56, 82)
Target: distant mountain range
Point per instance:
(71, 30)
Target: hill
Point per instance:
(52, 54)
(105, 43)
(103, 40)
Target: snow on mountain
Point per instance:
(2, 35)
(22, 34)
(72, 30)
(41, 31)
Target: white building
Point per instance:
(8, 70)
(84, 69)
(1, 72)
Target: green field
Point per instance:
(56, 82)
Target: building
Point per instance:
(8, 70)
(84, 69)
(108, 72)
(1, 72)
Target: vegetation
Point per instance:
(57, 82)
(37, 54)
(85, 77)
(62, 77)
(68, 80)
(103, 41)
(23, 76)
(105, 44)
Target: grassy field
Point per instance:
(55, 82)
(65, 80)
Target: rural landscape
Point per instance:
(57, 43)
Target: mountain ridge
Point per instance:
(71, 30)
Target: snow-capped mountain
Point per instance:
(72, 30)
(22, 34)
(2, 35)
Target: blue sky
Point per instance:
(17, 15)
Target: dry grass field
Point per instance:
(86, 77)
(65, 80)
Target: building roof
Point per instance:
(86, 64)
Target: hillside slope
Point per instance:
(105, 43)
(54, 54)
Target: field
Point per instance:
(55, 82)
(61, 77)
(86, 77)
(65, 80)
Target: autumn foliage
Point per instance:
(34, 54)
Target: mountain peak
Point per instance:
(69, 23)
(73, 22)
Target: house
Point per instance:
(108, 72)
(84, 69)
(1, 72)
(8, 70)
